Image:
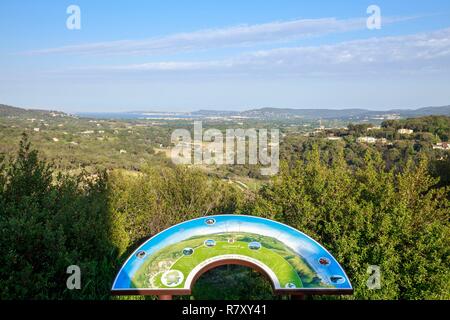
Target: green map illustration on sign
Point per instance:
(173, 259)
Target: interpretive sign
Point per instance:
(171, 261)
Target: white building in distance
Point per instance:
(442, 146)
(405, 131)
(367, 139)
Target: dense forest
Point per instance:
(369, 214)
(396, 149)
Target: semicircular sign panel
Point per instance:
(173, 259)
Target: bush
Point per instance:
(398, 221)
(49, 222)
(148, 202)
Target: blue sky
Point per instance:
(187, 55)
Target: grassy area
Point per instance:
(283, 270)
(288, 266)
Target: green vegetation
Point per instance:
(396, 149)
(434, 125)
(384, 204)
(234, 283)
(276, 258)
(369, 216)
(48, 223)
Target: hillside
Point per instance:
(346, 113)
(10, 111)
(352, 114)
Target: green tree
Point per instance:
(47, 223)
(156, 198)
(396, 220)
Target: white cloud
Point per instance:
(236, 36)
(428, 52)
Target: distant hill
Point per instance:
(215, 113)
(427, 111)
(262, 113)
(10, 111)
(311, 114)
(7, 111)
(305, 113)
(344, 113)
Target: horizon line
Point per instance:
(60, 109)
